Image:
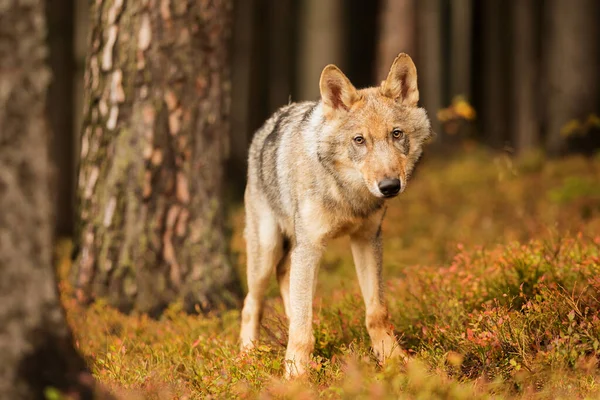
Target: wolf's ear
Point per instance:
(336, 90)
(401, 83)
(430, 137)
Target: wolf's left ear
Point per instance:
(336, 90)
(401, 83)
(430, 137)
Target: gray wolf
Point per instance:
(319, 170)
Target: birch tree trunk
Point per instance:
(154, 140)
(36, 345)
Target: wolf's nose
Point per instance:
(389, 187)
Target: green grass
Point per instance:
(492, 272)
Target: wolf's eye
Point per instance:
(397, 134)
(359, 140)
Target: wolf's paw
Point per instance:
(397, 354)
(295, 369)
(387, 349)
(296, 363)
(247, 343)
(248, 336)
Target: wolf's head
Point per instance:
(374, 136)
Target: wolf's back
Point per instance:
(272, 150)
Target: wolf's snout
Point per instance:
(389, 187)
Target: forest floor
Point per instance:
(492, 270)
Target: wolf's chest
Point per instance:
(321, 223)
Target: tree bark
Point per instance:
(154, 140)
(525, 75)
(80, 48)
(35, 342)
(572, 61)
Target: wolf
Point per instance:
(318, 170)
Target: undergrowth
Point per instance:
(493, 281)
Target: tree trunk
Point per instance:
(525, 76)
(320, 43)
(263, 54)
(572, 61)
(397, 24)
(242, 107)
(60, 111)
(80, 48)
(429, 60)
(154, 140)
(358, 20)
(495, 73)
(35, 341)
(281, 49)
(461, 48)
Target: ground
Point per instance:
(492, 270)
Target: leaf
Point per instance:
(52, 393)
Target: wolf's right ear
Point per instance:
(336, 90)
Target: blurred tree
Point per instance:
(35, 342)
(495, 73)
(321, 30)
(430, 64)
(397, 33)
(461, 25)
(264, 50)
(525, 105)
(258, 94)
(359, 38)
(61, 21)
(281, 42)
(154, 140)
(243, 102)
(572, 62)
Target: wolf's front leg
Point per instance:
(303, 274)
(367, 252)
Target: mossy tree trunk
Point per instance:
(36, 346)
(153, 145)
